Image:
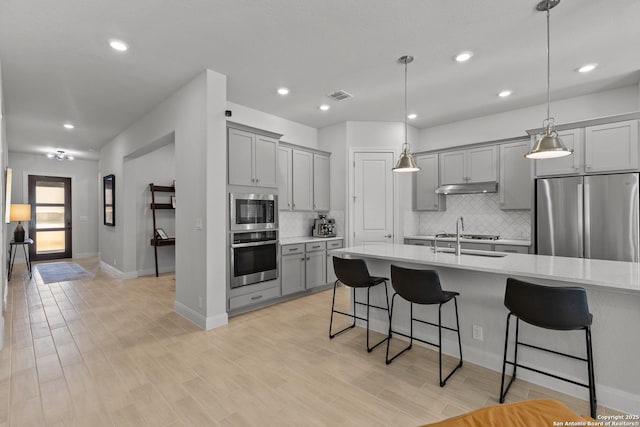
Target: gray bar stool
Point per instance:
(549, 307)
(423, 287)
(354, 274)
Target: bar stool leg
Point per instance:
(333, 302)
(592, 380)
(387, 360)
(443, 382)
(370, 349)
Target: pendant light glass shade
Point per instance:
(406, 162)
(549, 145)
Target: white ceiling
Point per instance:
(58, 67)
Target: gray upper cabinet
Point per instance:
(302, 180)
(321, 182)
(252, 159)
(608, 147)
(285, 178)
(611, 147)
(472, 165)
(572, 139)
(426, 182)
(516, 184)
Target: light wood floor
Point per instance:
(105, 351)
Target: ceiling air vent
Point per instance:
(340, 95)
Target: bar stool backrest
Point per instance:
(352, 272)
(419, 286)
(550, 307)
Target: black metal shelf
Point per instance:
(155, 242)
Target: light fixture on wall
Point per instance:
(548, 145)
(406, 162)
(60, 155)
(19, 213)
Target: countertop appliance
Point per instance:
(324, 227)
(253, 211)
(592, 216)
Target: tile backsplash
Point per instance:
(482, 215)
(296, 224)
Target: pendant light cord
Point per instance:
(406, 135)
(548, 63)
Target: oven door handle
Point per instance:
(248, 245)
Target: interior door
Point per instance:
(373, 198)
(50, 226)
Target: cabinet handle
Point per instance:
(257, 297)
(253, 180)
(316, 246)
(257, 180)
(293, 249)
(288, 205)
(302, 259)
(308, 258)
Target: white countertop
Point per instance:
(612, 275)
(513, 242)
(306, 239)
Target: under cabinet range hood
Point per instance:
(468, 188)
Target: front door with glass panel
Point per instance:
(50, 226)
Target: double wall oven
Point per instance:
(253, 223)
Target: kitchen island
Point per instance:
(613, 291)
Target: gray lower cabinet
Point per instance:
(332, 244)
(253, 298)
(316, 269)
(293, 273)
(469, 245)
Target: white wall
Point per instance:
(3, 228)
(85, 195)
(292, 132)
(158, 167)
(195, 115)
(516, 122)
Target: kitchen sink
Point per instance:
(474, 252)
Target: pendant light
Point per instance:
(406, 162)
(548, 145)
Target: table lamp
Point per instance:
(19, 213)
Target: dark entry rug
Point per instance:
(61, 272)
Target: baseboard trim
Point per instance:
(213, 322)
(86, 255)
(120, 274)
(152, 271)
(206, 323)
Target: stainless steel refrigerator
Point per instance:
(588, 217)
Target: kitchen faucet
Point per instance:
(461, 222)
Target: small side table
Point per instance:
(12, 255)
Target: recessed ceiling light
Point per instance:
(505, 93)
(587, 67)
(118, 45)
(412, 116)
(463, 56)
(325, 107)
(68, 125)
(283, 91)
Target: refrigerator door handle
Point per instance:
(587, 222)
(582, 217)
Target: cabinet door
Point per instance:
(292, 273)
(241, 157)
(516, 183)
(265, 161)
(452, 169)
(572, 139)
(426, 182)
(321, 183)
(302, 180)
(482, 164)
(611, 147)
(316, 269)
(285, 178)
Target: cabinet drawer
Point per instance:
(316, 246)
(476, 246)
(418, 242)
(253, 298)
(292, 249)
(513, 249)
(335, 244)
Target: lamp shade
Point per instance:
(406, 163)
(548, 146)
(20, 212)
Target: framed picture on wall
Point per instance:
(109, 197)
